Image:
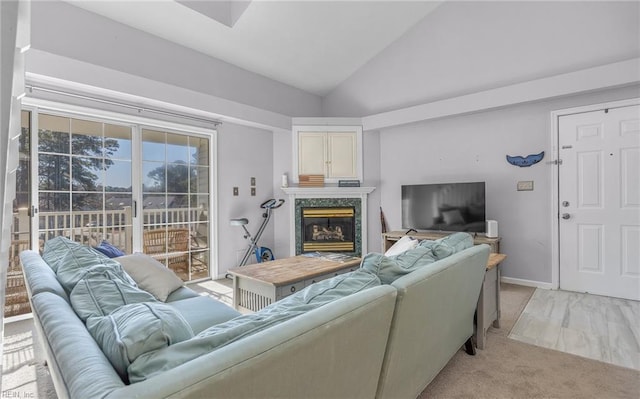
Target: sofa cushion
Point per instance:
(39, 276)
(109, 250)
(405, 243)
(180, 294)
(79, 260)
(151, 275)
(74, 353)
(56, 249)
(133, 330)
(439, 250)
(457, 241)
(202, 312)
(310, 298)
(389, 268)
(101, 292)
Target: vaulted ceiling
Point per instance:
(311, 45)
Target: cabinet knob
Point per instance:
(293, 289)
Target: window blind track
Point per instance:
(138, 108)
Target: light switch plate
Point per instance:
(235, 191)
(253, 191)
(526, 185)
(253, 181)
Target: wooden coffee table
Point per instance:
(258, 285)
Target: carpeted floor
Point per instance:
(508, 368)
(504, 369)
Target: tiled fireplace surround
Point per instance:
(301, 197)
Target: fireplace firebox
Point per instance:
(328, 229)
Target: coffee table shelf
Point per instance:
(259, 285)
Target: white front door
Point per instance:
(599, 195)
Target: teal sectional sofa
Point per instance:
(110, 329)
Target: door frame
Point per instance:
(555, 181)
(35, 105)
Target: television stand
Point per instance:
(389, 238)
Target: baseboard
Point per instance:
(527, 283)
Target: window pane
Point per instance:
(88, 202)
(53, 172)
(199, 150)
(200, 180)
(153, 176)
(154, 209)
(87, 174)
(53, 134)
(53, 202)
(177, 178)
(117, 142)
(86, 137)
(118, 176)
(177, 148)
(153, 145)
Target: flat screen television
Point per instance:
(444, 207)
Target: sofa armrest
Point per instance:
(316, 355)
(433, 319)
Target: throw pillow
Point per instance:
(133, 330)
(56, 249)
(151, 275)
(440, 250)
(457, 241)
(79, 260)
(109, 250)
(303, 301)
(101, 292)
(403, 244)
(388, 269)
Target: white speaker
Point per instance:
(492, 229)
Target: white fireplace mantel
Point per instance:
(327, 192)
(295, 192)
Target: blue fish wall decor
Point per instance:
(525, 161)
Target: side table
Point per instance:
(488, 311)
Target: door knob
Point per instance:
(566, 216)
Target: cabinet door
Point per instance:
(341, 155)
(312, 153)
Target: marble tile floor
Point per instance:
(596, 327)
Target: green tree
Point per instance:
(74, 164)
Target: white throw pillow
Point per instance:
(404, 244)
(150, 275)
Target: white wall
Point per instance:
(467, 47)
(473, 148)
(243, 152)
(282, 163)
(62, 29)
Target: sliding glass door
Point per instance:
(137, 186)
(175, 201)
(84, 187)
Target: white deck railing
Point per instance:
(91, 227)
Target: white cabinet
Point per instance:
(332, 151)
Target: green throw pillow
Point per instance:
(101, 292)
(136, 329)
(389, 268)
(79, 260)
(303, 301)
(56, 249)
(457, 241)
